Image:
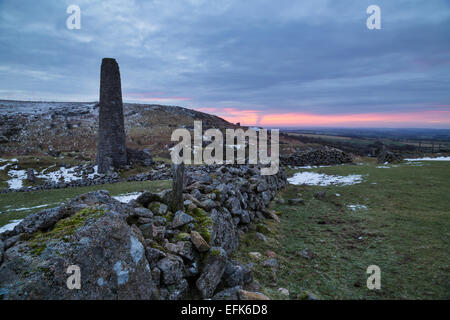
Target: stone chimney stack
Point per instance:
(112, 153)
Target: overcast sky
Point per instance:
(261, 62)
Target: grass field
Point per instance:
(10, 202)
(405, 231)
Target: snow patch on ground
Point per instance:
(4, 166)
(30, 208)
(383, 167)
(127, 197)
(10, 226)
(16, 178)
(61, 175)
(310, 167)
(430, 159)
(321, 179)
(65, 174)
(355, 207)
(9, 163)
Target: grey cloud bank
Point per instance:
(270, 56)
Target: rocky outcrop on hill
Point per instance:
(10, 127)
(326, 156)
(140, 250)
(72, 126)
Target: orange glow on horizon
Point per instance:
(245, 117)
(158, 99)
(399, 119)
(152, 97)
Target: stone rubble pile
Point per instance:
(389, 157)
(143, 249)
(326, 156)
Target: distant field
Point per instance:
(322, 136)
(360, 143)
(405, 230)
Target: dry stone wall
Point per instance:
(326, 156)
(141, 250)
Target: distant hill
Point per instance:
(33, 127)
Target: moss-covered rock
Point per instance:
(63, 229)
(202, 223)
(156, 245)
(182, 236)
(168, 216)
(213, 270)
(158, 208)
(215, 251)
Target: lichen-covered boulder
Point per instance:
(200, 244)
(228, 294)
(2, 248)
(97, 240)
(146, 198)
(212, 272)
(236, 274)
(224, 230)
(181, 219)
(172, 269)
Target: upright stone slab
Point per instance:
(177, 187)
(112, 152)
